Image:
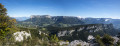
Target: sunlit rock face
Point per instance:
(20, 36)
(40, 16)
(65, 33)
(90, 37)
(115, 39)
(74, 43)
(63, 43)
(77, 42)
(40, 32)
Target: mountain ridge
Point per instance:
(46, 20)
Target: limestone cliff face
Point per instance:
(40, 16)
(82, 31)
(65, 33)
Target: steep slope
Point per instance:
(46, 20)
(82, 31)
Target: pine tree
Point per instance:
(99, 41)
(54, 38)
(6, 23)
(107, 39)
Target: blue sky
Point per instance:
(83, 8)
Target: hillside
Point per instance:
(57, 21)
(81, 32)
(66, 21)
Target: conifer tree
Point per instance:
(6, 23)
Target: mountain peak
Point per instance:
(38, 16)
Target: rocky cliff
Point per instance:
(82, 31)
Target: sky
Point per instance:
(82, 8)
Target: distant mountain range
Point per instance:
(66, 21)
(21, 18)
